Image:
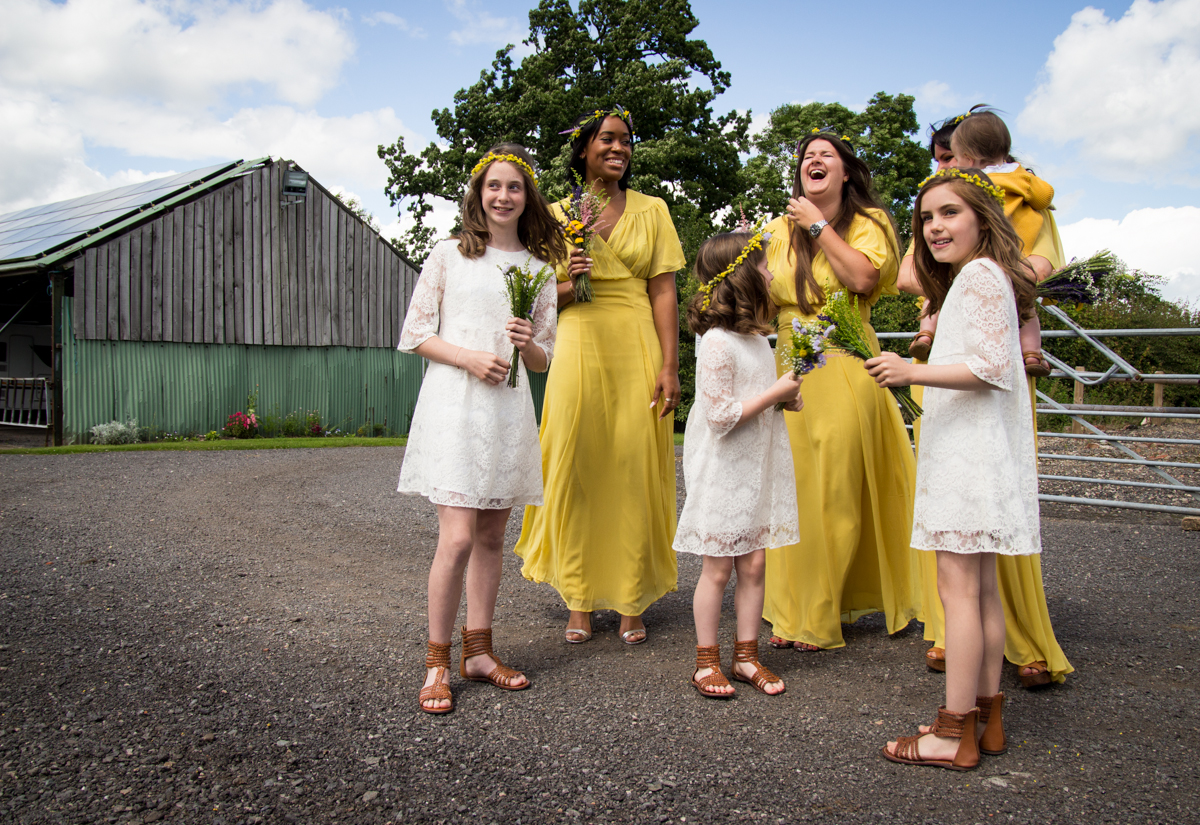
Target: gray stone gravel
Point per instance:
(237, 637)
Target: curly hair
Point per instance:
(537, 229)
(997, 241)
(740, 302)
(858, 196)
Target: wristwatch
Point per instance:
(815, 229)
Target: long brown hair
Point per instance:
(997, 240)
(740, 302)
(536, 228)
(858, 196)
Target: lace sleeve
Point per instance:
(714, 371)
(989, 309)
(545, 318)
(424, 311)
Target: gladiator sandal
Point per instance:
(479, 643)
(920, 345)
(992, 741)
(710, 657)
(438, 656)
(960, 726)
(747, 653)
(1035, 364)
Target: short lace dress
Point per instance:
(977, 466)
(473, 444)
(741, 490)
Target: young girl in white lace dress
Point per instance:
(976, 491)
(737, 465)
(473, 444)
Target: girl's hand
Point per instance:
(786, 391)
(890, 370)
(667, 388)
(520, 333)
(802, 212)
(483, 365)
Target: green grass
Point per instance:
(229, 444)
(678, 439)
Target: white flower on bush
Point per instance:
(115, 432)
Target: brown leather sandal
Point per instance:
(710, 657)
(1035, 364)
(1039, 678)
(960, 726)
(920, 345)
(747, 653)
(935, 659)
(438, 656)
(479, 643)
(993, 742)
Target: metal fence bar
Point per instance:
(1127, 505)
(1144, 462)
(1121, 483)
(26, 402)
(1093, 333)
(1129, 438)
(1132, 414)
(1096, 345)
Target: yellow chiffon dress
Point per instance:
(603, 536)
(1028, 633)
(855, 472)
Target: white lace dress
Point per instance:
(741, 490)
(977, 465)
(472, 444)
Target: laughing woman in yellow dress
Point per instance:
(603, 536)
(855, 470)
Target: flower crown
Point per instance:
(754, 243)
(599, 114)
(826, 131)
(982, 182)
(492, 156)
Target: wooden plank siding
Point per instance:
(234, 266)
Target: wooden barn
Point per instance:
(171, 301)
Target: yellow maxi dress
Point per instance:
(1028, 633)
(603, 536)
(855, 472)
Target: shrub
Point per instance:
(115, 432)
(241, 425)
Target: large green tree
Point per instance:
(633, 52)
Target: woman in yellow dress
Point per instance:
(1029, 641)
(855, 470)
(603, 536)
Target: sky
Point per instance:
(1100, 99)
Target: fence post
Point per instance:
(1158, 396)
(1076, 427)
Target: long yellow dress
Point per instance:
(855, 472)
(603, 536)
(1028, 633)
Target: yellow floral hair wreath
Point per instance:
(825, 131)
(492, 156)
(984, 184)
(599, 114)
(754, 243)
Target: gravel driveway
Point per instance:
(237, 637)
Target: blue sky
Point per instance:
(1100, 99)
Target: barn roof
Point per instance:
(42, 235)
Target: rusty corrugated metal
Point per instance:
(193, 388)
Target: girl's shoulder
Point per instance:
(983, 275)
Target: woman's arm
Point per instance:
(664, 305)
(890, 370)
(906, 279)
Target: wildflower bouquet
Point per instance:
(522, 288)
(1080, 282)
(847, 333)
(582, 214)
(805, 350)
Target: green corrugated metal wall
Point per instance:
(194, 387)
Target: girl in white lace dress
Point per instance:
(976, 491)
(737, 466)
(473, 444)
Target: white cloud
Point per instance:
(387, 18)
(1160, 241)
(1108, 84)
(482, 28)
(936, 97)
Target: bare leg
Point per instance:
(1030, 334)
(992, 611)
(748, 597)
(483, 583)
(929, 323)
(456, 529)
(577, 621)
(706, 607)
(635, 624)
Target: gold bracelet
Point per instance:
(458, 353)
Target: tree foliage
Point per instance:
(633, 52)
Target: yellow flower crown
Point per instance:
(950, 172)
(492, 156)
(754, 243)
(825, 130)
(599, 114)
